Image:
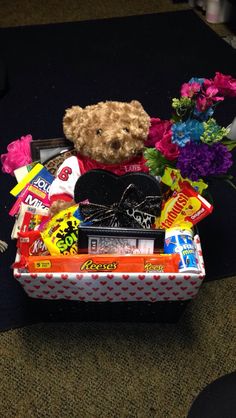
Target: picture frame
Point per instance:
(104, 240)
(44, 149)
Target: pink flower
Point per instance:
(225, 84)
(208, 96)
(166, 147)
(18, 154)
(189, 89)
(156, 131)
(160, 135)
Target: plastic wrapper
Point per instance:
(31, 243)
(61, 232)
(87, 263)
(184, 208)
(173, 179)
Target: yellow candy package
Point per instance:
(174, 180)
(61, 232)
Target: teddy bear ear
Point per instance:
(71, 121)
(136, 104)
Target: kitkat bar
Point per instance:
(30, 243)
(87, 263)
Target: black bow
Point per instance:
(132, 211)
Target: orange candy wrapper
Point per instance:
(185, 207)
(87, 263)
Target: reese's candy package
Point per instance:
(162, 263)
(61, 232)
(185, 207)
(91, 263)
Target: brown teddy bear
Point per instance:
(108, 135)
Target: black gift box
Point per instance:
(131, 201)
(102, 187)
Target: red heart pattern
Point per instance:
(115, 287)
(79, 276)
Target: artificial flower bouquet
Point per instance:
(192, 143)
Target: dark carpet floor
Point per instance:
(106, 370)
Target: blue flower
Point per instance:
(203, 115)
(197, 80)
(195, 129)
(181, 135)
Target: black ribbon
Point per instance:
(132, 211)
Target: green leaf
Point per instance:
(156, 162)
(230, 143)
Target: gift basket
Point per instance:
(117, 221)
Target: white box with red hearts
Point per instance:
(114, 287)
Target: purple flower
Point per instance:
(222, 159)
(200, 160)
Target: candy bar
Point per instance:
(88, 263)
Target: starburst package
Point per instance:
(185, 207)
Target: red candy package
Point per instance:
(184, 207)
(31, 243)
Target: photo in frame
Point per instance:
(44, 149)
(51, 152)
(106, 240)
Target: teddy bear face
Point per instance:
(108, 132)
